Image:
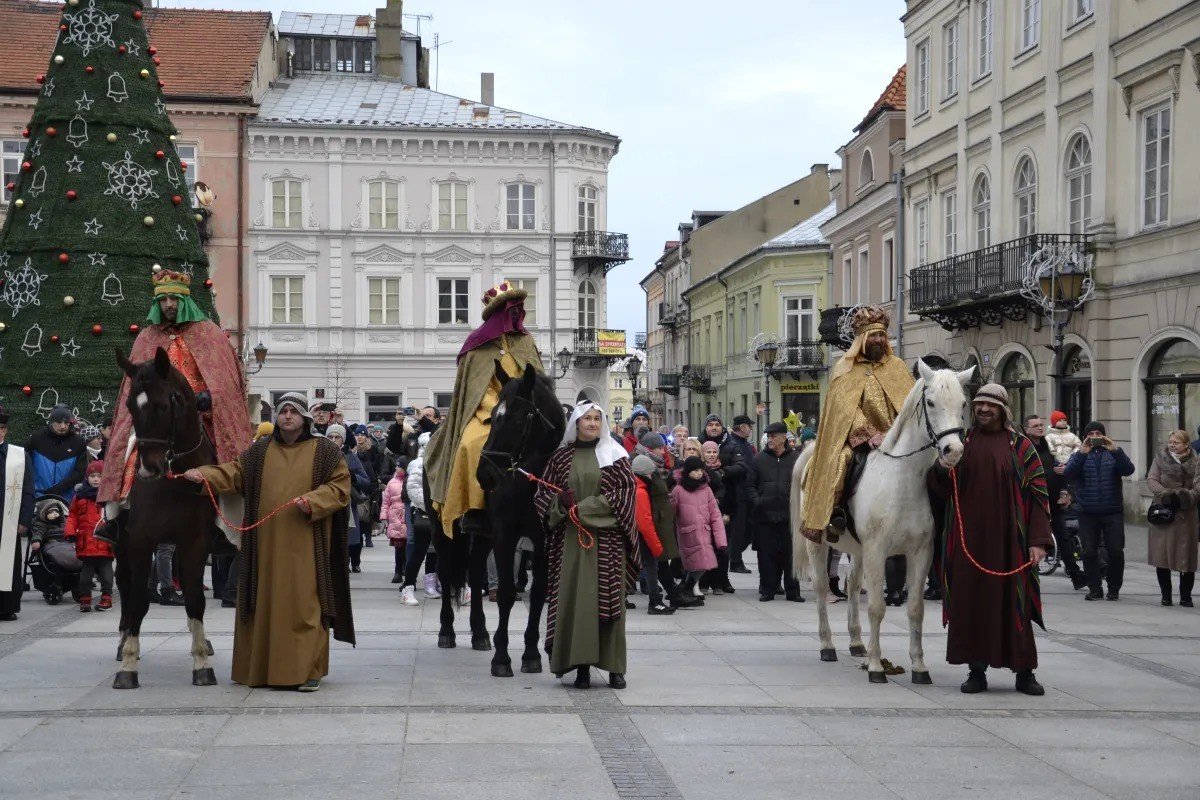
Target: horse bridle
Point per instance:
(934, 437)
(515, 462)
(169, 443)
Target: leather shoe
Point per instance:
(795, 597)
(1028, 684)
(171, 598)
(616, 680)
(933, 594)
(1078, 581)
(740, 569)
(1113, 596)
(765, 598)
(975, 683)
(1093, 596)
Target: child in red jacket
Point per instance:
(651, 545)
(97, 556)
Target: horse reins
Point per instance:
(934, 437)
(169, 443)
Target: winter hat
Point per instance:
(692, 463)
(742, 419)
(714, 418)
(61, 413)
(1057, 417)
(652, 441)
(643, 466)
(776, 427)
(995, 394)
(638, 411)
(710, 447)
(336, 430)
(1095, 426)
(94, 468)
(90, 432)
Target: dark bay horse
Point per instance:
(527, 425)
(170, 440)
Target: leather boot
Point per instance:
(1028, 684)
(583, 678)
(975, 683)
(835, 588)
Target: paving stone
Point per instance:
(61, 737)
(713, 729)
(499, 763)
(11, 730)
(546, 729)
(261, 765)
(902, 731)
(147, 768)
(693, 764)
(313, 729)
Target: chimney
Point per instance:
(487, 88)
(389, 34)
(819, 169)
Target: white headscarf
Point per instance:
(608, 452)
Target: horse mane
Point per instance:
(911, 404)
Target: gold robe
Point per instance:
(861, 402)
(285, 642)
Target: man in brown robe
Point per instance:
(293, 585)
(998, 528)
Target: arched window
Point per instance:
(1025, 193)
(1079, 183)
(981, 211)
(1076, 400)
(1016, 376)
(587, 305)
(1172, 393)
(866, 170)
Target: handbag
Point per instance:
(1160, 514)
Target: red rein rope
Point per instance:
(216, 505)
(962, 537)
(572, 512)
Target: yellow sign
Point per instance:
(799, 387)
(610, 343)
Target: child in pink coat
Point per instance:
(698, 524)
(391, 513)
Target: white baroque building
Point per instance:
(382, 211)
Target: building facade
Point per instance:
(1038, 128)
(382, 211)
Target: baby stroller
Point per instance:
(54, 567)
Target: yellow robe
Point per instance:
(285, 642)
(860, 402)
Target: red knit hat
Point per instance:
(1057, 417)
(95, 468)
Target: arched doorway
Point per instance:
(1016, 376)
(1172, 393)
(1076, 396)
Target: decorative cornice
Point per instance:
(1170, 63)
(1076, 103)
(1021, 96)
(1038, 120)
(1076, 69)
(1159, 27)
(932, 143)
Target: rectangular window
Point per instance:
(381, 406)
(847, 280)
(452, 301)
(745, 327)
(188, 155)
(731, 342)
(452, 206)
(530, 286)
(922, 77)
(586, 208)
(921, 226)
(950, 224)
(1156, 165)
(302, 59)
(1031, 24)
(362, 56)
(383, 301)
(1082, 9)
(285, 203)
(345, 55)
(322, 55)
(950, 55)
(864, 277)
(519, 206)
(889, 270)
(10, 152)
(383, 205)
(287, 300)
(986, 23)
(799, 320)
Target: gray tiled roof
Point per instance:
(369, 100)
(807, 233)
(300, 23)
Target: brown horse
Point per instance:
(170, 440)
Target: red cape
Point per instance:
(222, 373)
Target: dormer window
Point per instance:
(866, 171)
(313, 54)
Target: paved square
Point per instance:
(725, 701)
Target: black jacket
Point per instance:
(1055, 483)
(737, 453)
(769, 485)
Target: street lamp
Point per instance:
(564, 361)
(260, 358)
(1058, 280)
(765, 354)
(634, 367)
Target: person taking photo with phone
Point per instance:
(1096, 471)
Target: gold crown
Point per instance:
(170, 282)
(870, 318)
(495, 297)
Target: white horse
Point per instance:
(891, 516)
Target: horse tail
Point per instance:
(800, 560)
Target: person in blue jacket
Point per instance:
(58, 456)
(1096, 471)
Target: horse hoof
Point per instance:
(877, 677)
(531, 665)
(922, 678)
(828, 654)
(481, 642)
(858, 650)
(204, 677)
(208, 644)
(502, 670)
(446, 640)
(125, 680)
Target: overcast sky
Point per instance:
(716, 104)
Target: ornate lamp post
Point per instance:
(564, 362)
(1058, 280)
(634, 367)
(260, 358)
(765, 354)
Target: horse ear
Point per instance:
(965, 376)
(924, 370)
(528, 379)
(127, 366)
(162, 363)
(501, 375)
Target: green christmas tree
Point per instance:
(100, 202)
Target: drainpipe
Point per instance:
(898, 255)
(729, 321)
(553, 270)
(241, 235)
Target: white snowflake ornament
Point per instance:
(21, 288)
(89, 28)
(130, 181)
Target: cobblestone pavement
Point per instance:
(725, 701)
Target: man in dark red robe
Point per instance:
(997, 530)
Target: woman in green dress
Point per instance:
(592, 552)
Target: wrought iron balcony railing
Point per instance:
(600, 247)
(797, 354)
(698, 378)
(668, 382)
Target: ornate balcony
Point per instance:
(698, 378)
(671, 316)
(602, 249)
(801, 356)
(668, 382)
(597, 348)
(983, 286)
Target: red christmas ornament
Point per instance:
(26, 166)
(63, 27)
(157, 62)
(10, 186)
(134, 328)
(97, 329)
(41, 78)
(159, 154)
(25, 133)
(176, 199)
(27, 390)
(183, 164)
(54, 339)
(161, 84)
(63, 258)
(71, 194)
(52, 131)
(153, 51)
(208, 283)
(137, 15)
(122, 49)
(89, 69)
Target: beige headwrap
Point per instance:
(867, 320)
